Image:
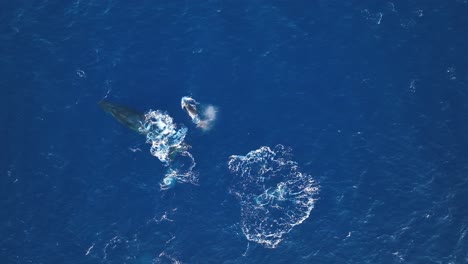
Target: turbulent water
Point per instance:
(163, 135)
(167, 144)
(274, 194)
(370, 96)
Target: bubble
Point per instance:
(169, 182)
(80, 73)
(273, 193)
(262, 199)
(167, 144)
(165, 137)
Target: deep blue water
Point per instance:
(371, 96)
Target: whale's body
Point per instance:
(203, 119)
(190, 105)
(125, 115)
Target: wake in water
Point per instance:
(274, 194)
(167, 144)
(202, 115)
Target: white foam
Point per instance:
(274, 195)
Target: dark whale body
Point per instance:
(125, 115)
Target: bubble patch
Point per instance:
(167, 144)
(273, 193)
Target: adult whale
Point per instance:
(125, 115)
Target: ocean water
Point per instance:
(369, 96)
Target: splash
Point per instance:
(274, 194)
(205, 118)
(163, 135)
(167, 144)
(180, 170)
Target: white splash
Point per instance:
(167, 144)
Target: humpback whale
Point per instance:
(125, 115)
(203, 119)
(190, 105)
